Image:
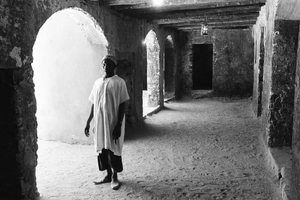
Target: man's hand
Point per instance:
(117, 131)
(87, 130)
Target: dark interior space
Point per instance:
(202, 66)
(260, 74)
(169, 70)
(145, 80)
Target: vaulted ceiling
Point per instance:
(189, 15)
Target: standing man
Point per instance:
(108, 98)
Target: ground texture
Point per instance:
(207, 149)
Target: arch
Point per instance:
(152, 94)
(67, 54)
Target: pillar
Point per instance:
(281, 103)
(18, 142)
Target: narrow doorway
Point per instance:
(202, 66)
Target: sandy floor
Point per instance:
(193, 149)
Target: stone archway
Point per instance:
(152, 95)
(67, 60)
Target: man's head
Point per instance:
(109, 65)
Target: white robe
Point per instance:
(107, 94)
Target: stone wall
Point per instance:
(177, 69)
(285, 44)
(280, 99)
(296, 132)
(182, 75)
(125, 69)
(169, 67)
(232, 62)
(281, 42)
(18, 134)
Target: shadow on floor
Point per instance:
(141, 131)
(144, 130)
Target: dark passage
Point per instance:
(202, 66)
(169, 70)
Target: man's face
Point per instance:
(108, 67)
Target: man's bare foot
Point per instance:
(115, 184)
(106, 179)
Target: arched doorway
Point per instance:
(67, 60)
(67, 55)
(151, 92)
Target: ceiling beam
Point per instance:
(176, 5)
(217, 25)
(215, 11)
(209, 19)
(182, 18)
(190, 14)
(166, 16)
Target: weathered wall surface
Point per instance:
(177, 68)
(281, 42)
(280, 99)
(183, 70)
(285, 44)
(18, 135)
(20, 23)
(296, 132)
(125, 69)
(269, 28)
(169, 67)
(232, 62)
(186, 59)
(153, 70)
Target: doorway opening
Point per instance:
(169, 69)
(202, 66)
(151, 85)
(67, 55)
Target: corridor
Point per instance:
(207, 149)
